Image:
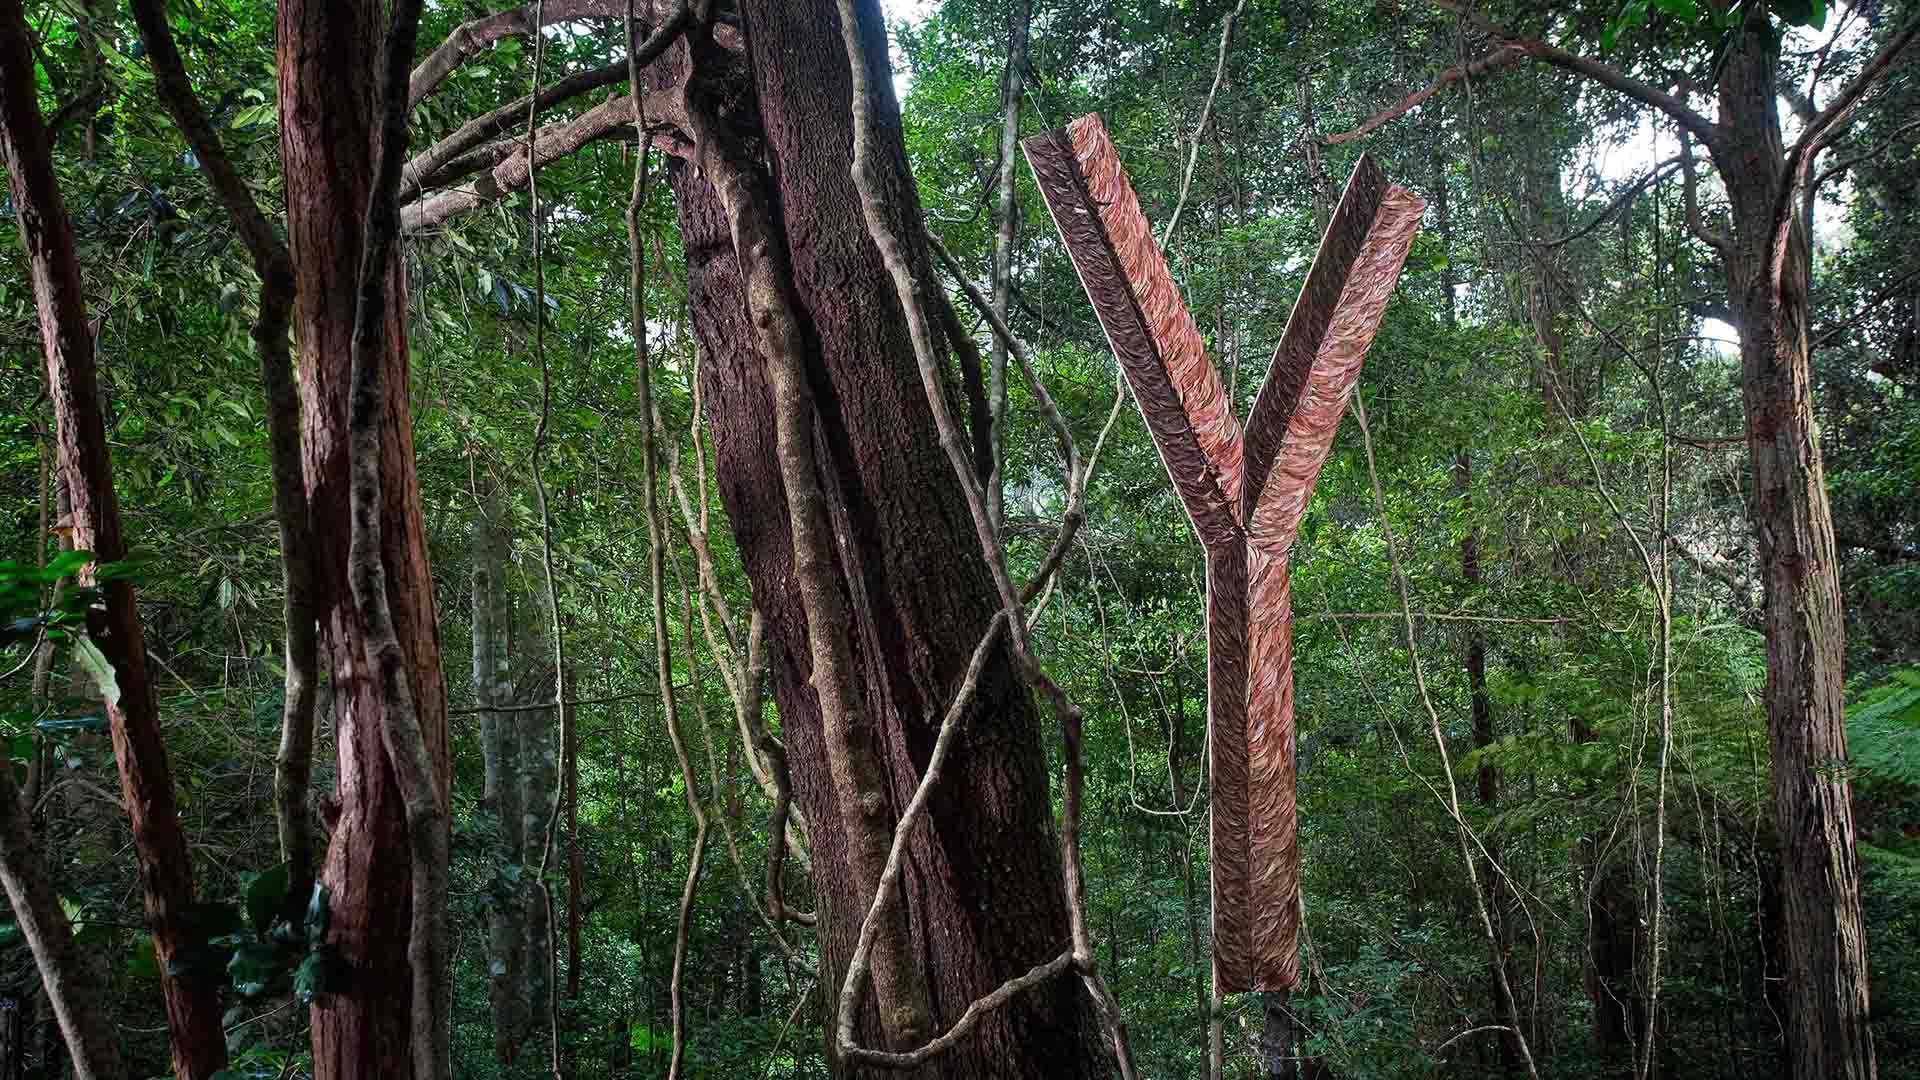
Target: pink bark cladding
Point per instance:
(1279, 502)
(1056, 168)
(1273, 848)
(1202, 395)
(1245, 491)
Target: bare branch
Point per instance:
(1499, 58)
(1206, 117)
(470, 37)
(1606, 75)
(1837, 111)
(421, 171)
(1690, 187)
(1862, 158)
(553, 142)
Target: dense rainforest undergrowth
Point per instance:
(734, 433)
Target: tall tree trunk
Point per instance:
(327, 50)
(293, 767)
(501, 791)
(983, 895)
(1825, 936)
(197, 1043)
(1019, 29)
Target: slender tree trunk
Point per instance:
(326, 52)
(1021, 21)
(576, 865)
(500, 753)
(293, 768)
(69, 984)
(983, 900)
(195, 1038)
(538, 779)
(1828, 1035)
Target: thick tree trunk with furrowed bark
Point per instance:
(1825, 935)
(983, 889)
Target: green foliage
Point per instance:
(266, 944)
(1883, 732)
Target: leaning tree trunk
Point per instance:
(146, 780)
(327, 52)
(1825, 935)
(983, 896)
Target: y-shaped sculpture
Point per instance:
(1244, 491)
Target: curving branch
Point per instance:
(510, 168)
(1690, 191)
(1822, 126)
(470, 37)
(1499, 58)
(424, 169)
(1708, 132)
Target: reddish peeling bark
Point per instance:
(327, 50)
(1769, 271)
(195, 1038)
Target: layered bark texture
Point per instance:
(982, 891)
(328, 136)
(1245, 492)
(1769, 271)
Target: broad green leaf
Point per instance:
(97, 665)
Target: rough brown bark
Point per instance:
(423, 795)
(195, 1039)
(1768, 277)
(325, 50)
(983, 900)
(851, 741)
